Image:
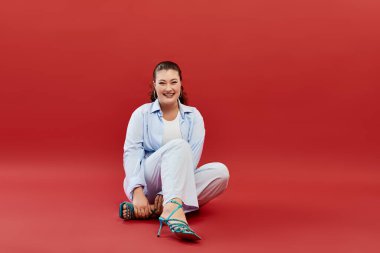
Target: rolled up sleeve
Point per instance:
(197, 137)
(133, 154)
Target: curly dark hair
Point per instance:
(166, 65)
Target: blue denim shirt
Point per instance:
(144, 136)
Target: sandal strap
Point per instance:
(180, 227)
(131, 210)
(179, 222)
(129, 206)
(174, 201)
(175, 210)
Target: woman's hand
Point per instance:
(140, 204)
(158, 203)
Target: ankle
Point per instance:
(169, 206)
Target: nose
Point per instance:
(168, 87)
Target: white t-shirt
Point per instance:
(171, 130)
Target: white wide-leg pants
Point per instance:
(170, 171)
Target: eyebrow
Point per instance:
(175, 79)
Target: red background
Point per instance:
(289, 92)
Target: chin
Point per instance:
(166, 100)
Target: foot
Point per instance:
(179, 214)
(177, 221)
(128, 215)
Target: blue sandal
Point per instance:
(180, 228)
(131, 215)
(130, 208)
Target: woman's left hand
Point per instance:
(158, 203)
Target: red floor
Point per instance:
(273, 204)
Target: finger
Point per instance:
(139, 213)
(148, 211)
(145, 213)
(136, 211)
(156, 200)
(160, 203)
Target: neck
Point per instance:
(169, 107)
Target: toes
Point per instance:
(125, 212)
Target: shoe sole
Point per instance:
(187, 237)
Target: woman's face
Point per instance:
(167, 86)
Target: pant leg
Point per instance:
(170, 170)
(211, 180)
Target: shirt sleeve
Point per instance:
(134, 153)
(197, 137)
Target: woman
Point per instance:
(163, 146)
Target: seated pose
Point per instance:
(162, 149)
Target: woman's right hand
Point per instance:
(140, 204)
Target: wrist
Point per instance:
(138, 191)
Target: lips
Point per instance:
(169, 95)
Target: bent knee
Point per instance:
(223, 172)
(179, 143)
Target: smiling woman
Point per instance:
(162, 149)
(173, 75)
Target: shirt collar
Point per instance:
(182, 108)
